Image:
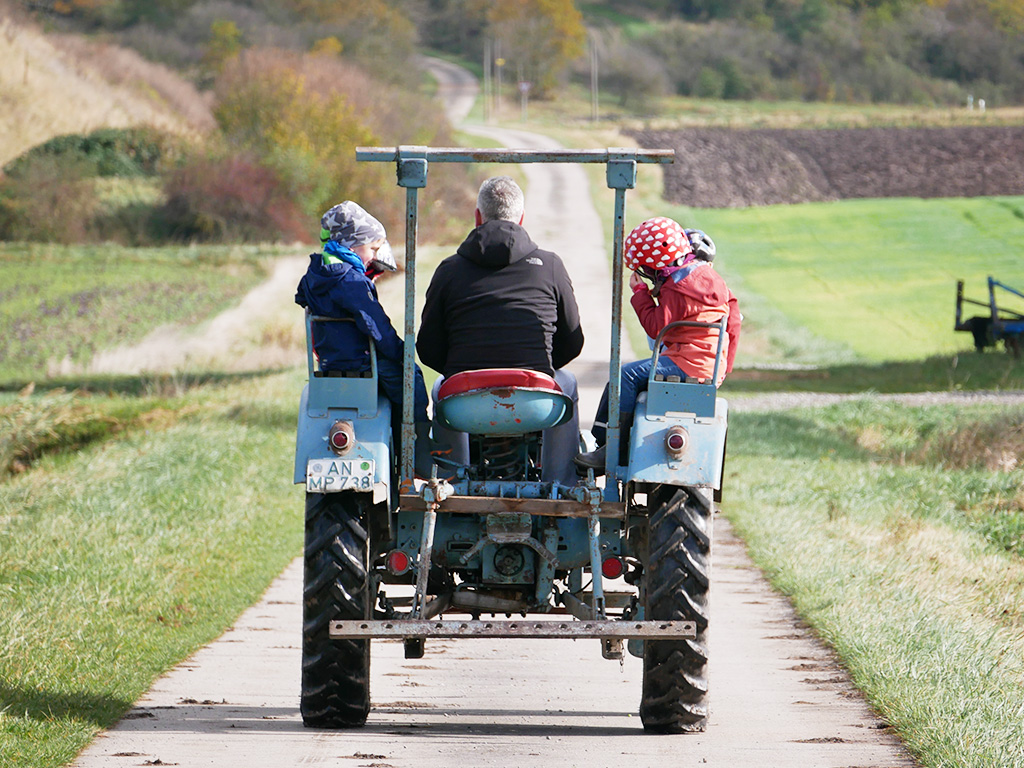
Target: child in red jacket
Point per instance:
(684, 286)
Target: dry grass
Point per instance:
(995, 444)
(124, 67)
(30, 427)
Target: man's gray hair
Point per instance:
(500, 198)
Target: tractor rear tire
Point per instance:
(677, 584)
(335, 673)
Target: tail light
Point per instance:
(612, 567)
(341, 437)
(676, 442)
(397, 562)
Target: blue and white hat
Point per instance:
(350, 225)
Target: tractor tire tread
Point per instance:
(335, 673)
(678, 580)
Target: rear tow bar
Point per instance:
(605, 629)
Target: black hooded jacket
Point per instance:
(499, 302)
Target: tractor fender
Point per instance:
(699, 465)
(373, 440)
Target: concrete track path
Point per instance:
(777, 696)
(778, 699)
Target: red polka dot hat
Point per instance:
(656, 244)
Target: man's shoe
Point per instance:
(591, 460)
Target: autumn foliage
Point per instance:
(539, 37)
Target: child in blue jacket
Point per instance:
(339, 283)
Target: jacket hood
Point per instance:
(699, 280)
(320, 277)
(496, 244)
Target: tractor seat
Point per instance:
(501, 401)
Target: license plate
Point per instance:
(331, 475)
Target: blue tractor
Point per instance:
(625, 560)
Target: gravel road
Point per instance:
(777, 401)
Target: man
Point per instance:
(502, 302)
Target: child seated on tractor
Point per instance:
(684, 286)
(339, 283)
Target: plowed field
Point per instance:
(723, 168)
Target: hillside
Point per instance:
(56, 84)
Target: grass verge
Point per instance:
(909, 567)
(119, 560)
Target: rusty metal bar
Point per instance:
(477, 505)
(536, 629)
(460, 603)
(597, 590)
(499, 155)
(408, 430)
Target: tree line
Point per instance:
(927, 52)
(295, 85)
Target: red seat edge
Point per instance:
(489, 378)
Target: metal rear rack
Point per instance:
(605, 630)
(411, 168)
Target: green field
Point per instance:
(59, 305)
(875, 276)
(121, 558)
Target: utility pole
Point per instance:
(498, 63)
(592, 36)
(487, 81)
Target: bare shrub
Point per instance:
(50, 200)
(156, 45)
(228, 198)
(303, 115)
(634, 75)
(396, 116)
(377, 34)
(267, 104)
(996, 445)
(195, 23)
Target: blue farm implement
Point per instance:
(1000, 323)
(624, 559)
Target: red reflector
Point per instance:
(675, 442)
(397, 562)
(612, 568)
(341, 437)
